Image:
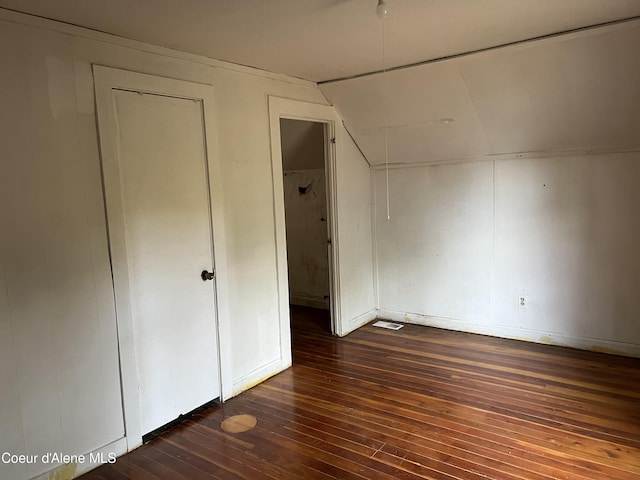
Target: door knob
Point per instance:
(207, 275)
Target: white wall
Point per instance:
(244, 149)
(567, 232)
(355, 236)
(58, 361)
(307, 255)
(435, 251)
(469, 232)
(466, 240)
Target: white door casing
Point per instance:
(156, 144)
(297, 110)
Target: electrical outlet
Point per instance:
(523, 301)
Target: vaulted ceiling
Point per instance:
(328, 39)
(580, 90)
(577, 92)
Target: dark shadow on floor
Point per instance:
(310, 319)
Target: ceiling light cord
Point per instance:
(381, 11)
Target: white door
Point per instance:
(162, 217)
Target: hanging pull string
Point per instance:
(382, 14)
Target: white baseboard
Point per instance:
(535, 336)
(107, 454)
(360, 320)
(259, 375)
(307, 301)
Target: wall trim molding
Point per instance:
(118, 447)
(253, 378)
(361, 320)
(286, 108)
(527, 335)
(309, 301)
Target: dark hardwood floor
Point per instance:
(414, 403)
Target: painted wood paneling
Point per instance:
(355, 199)
(56, 297)
(567, 233)
(465, 241)
(64, 389)
(435, 252)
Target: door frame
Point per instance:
(106, 80)
(325, 114)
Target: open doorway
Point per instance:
(304, 170)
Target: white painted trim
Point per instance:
(259, 375)
(374, 240)
(527, 335)
(338, 323)
(106, 79)
(118, 448)
(361, 320)
(286, 108)
(82, 32)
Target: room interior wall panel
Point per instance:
(567, 235)
(435, 252)
(550, 129)
(355, 200)
(561, 231)
(242, 120)
(62, 381)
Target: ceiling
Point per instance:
(572, 92)
(561, 93)
(322, 40)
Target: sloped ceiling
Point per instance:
(322, 40)
(579, 90)
(568, 92)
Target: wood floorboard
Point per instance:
(396, 431)
(418, 403)
(497, 401)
